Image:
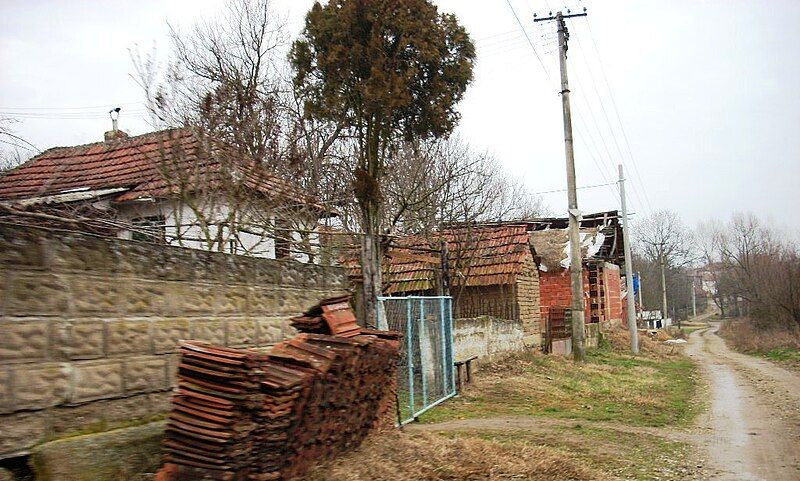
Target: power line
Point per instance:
(521, 26)
(582, 187)
(605, 113)
(547, 74)
(73, 108)
(619, 118)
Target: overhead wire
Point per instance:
(611, 130)
(72, 108)
(619, 118)
(550, 79)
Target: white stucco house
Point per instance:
(171, 187)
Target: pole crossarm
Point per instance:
(536, 19)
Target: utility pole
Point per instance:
(694, 301)
(664, 312)
(628, 268)
(639, 276)
(575, 264)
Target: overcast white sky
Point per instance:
(707, 92)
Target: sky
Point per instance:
(698, 100)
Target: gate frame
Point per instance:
(448, 346)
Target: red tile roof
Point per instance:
(479, 256)
(143, 165)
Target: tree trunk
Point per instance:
(371, 264)
(369, 196)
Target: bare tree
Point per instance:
(14, 150)
(761, 267)
(664, 239)
(226, 81)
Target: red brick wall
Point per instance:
(613, 283)
(556, 291)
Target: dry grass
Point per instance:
(779, 344)
(745, 336)
(653, 389)
(431, 457)
(620, 340)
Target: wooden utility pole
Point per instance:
(628, 268)
(575, 261)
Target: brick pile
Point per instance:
(243, 415)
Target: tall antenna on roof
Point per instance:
(114, 114)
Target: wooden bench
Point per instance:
(460, 366)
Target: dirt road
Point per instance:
(752, 426)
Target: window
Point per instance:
(149, 229)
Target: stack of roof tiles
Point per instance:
(245, 415)
(210, 425)
(330, 316)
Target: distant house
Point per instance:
(169, 186)
(491, 269)
(602, 260)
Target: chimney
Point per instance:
(114, 133)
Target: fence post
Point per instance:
(410, 357)
(442, 334)
(424, 351)
(452, 343)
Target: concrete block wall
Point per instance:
(89, 324)
(487, 337)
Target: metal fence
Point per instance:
(426, 376)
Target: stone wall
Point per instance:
(486, 337)
(90, 324)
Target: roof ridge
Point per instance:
(116, 141)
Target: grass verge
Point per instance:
(779, 345)
(611, 386)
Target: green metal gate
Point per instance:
(426, 376)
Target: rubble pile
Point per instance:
(252, 416)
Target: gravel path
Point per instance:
(752, 429)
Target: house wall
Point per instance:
(528, 300)
(183, 229)
(486, 337)
(475, 301)
(90, 324)
(556, 291)
(555, 287)
(613, 283)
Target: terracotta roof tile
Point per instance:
(479, 256)
(136, 163)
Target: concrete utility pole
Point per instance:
(694, 301)
(639, 276)
(628, 268)
(664, 312)
(575, 264)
